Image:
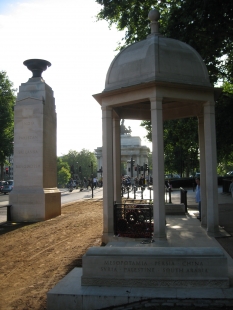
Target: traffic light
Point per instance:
(80, 169)
(136, 168)
(7, 170)
(145, 167)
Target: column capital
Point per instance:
(156, 103)
(200, 118)
(106, 112)
(209, 103)
(209, 107)
(106, 108)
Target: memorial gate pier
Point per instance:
(35, 196)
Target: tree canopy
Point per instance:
(7, 99)
(208, 27)
(63, 172)
(79, 163)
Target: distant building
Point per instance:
(130, 148)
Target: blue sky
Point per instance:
(6, 6)
(64, 32)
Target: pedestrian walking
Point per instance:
(198, 196)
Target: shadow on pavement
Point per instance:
(7, 227)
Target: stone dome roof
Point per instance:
(157, 59)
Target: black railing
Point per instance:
(133, 220)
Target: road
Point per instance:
(66, 197)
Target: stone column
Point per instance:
(117, 159)
(211, 165)
(35, 196)
(158, 167)
(201, 135)
(108, 197)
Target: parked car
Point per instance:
(8, 186)
(1, 185)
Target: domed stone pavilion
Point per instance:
(158, 79)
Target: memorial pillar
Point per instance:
(35, 196)
(108, 195)
(158, 167)
(211, 167)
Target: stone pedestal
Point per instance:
(175, 209)
(35, 196)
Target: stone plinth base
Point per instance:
(34, 205)
(155, 267)
(69, 294)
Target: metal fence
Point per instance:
(133, 220)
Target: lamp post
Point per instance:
(131, 162)
(91, 165)
(138, 170)
(80, 171)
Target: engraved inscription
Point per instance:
(165, 266)
(108, 269)
(28, 137)
(28, 123)
(27, 152)
(27, 166)
(138, 270)
(164, 263)
(194, 264)
(125, 263)
(185, 270)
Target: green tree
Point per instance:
(7, 99)
(63, 176)
(82, 159)
(224, 121)
(181, 146)
(63, 172)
